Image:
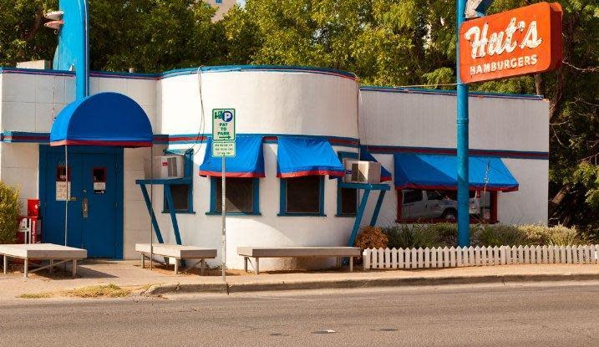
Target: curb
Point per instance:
(363, 283)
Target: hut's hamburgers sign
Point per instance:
(513, 43)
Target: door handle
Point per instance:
(85, 207)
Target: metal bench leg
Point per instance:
(351, 264)
(5, 264)
(143, 261)
(176, 266)
(245, 264)
(202, 263)
(74, 269)
(51, 268)
(257, 266)
(26, 268)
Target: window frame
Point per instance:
(255, 196)
(473, 219)
(283, 201)
(187, 174)
(343, 155)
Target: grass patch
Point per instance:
(101, 291)
(35, 296)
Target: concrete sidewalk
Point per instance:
(161, 281)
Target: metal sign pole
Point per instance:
(224, 221)
(462, 140)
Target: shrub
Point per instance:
(499, 235)
(9, 212)
(448, 233)
(371, 237)
(560, 235)
(536, 234)
(415, 236)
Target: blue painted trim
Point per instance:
(187, 179)
(448, 92)
(283, 201)
(365, 186)
(264, 68)
(342, 155)
(165, 181)
(255, 196)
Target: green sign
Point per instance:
(223, 124)
(223, 132)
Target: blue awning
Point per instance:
(367, 156)
(105, 119)
(423, 171)
(248, 162)
(306, 156)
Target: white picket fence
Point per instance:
(412, 258)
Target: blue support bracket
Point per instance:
(144, 192)
(171, 210)
(382, 188)
(377, 208)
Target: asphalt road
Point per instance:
(532, 315)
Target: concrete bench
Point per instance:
(42, 251)
(177, 252)
(297, 252)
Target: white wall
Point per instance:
(429, 120)
(266, 103)
(20, 169)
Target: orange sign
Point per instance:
(513, 43)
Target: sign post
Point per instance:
(223, 145)
(513, 43)
(462, 141)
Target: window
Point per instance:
(441, 206)
(219, 1)
(182, 193)
(302, 196)
(242, 196)
(347, 198)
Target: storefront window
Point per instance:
(241, 194)
(430, 206)
(302, 196)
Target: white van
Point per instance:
(433, 204)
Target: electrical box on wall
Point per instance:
(165, 167)
(361, 171)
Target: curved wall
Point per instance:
(270, 103)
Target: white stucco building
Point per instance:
(271, 103)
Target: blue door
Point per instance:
(94, 217)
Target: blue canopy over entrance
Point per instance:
(105, 119)
(423, 171)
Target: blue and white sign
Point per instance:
(223, 132)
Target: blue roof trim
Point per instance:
(448, 92)
(273, 68)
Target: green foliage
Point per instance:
(499, 235)
(9, 212)
(412, 236)
(385, 42)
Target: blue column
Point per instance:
(462, 140)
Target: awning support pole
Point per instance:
(144, 192)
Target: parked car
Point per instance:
(432, 204)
